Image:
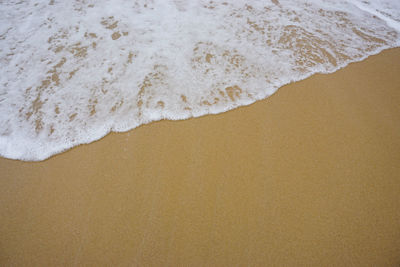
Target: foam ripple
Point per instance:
(72, 71)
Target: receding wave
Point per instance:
(72, 71)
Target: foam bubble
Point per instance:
(72, 71)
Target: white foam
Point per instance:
(72, 71)
(388, 11)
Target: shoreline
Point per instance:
(307, 176)
(109, 131)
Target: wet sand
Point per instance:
(307, 177)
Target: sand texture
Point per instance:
(307, 177)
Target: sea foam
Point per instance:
(72, 71)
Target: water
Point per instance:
(72, 71)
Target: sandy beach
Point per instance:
(307, 177)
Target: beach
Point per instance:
(307, 177)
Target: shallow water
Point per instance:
(73, 71)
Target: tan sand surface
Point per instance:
(307, 177)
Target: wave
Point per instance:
(72, 71)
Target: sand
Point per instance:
(307, 177)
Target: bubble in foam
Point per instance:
(72, 71)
